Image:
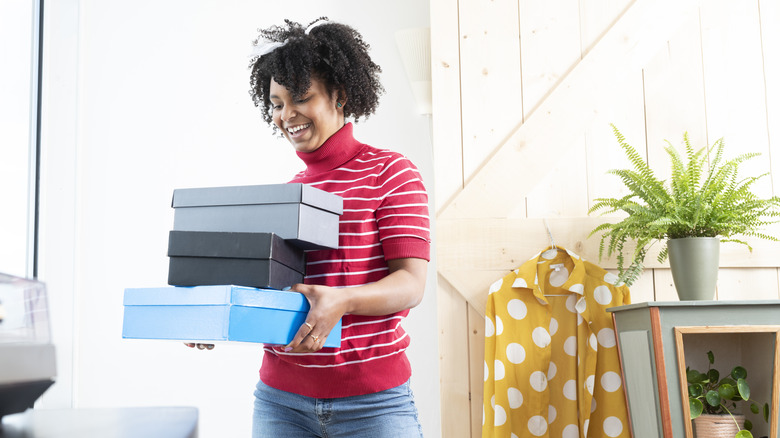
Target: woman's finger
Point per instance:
(200, 346)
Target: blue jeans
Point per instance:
(385, 414)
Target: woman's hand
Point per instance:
(402, 289)
(328, 305)
(200, 346)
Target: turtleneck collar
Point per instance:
(337, 150)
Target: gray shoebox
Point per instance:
(306, 216)
(260, 260)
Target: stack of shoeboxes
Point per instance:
(232, 252)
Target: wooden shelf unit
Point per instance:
(657, 339)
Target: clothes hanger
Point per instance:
(552, 245)
(549, 233)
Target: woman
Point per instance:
(307, 81)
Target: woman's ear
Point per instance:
(341, 98)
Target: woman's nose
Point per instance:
(288, 113)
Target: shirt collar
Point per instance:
(527, 274)
(337, 150)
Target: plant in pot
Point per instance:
(702, 204)
(712, 401)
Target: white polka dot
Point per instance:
(495, 286)
(570, 389)
(594, 343)
(536, 279)
(493, 402)
(553, 326)
(585, 425)
(500, 371)
(570, 346)
(549, 254)
(610, 381)
(579, 319)
(589, 382)
(577, 288)
(592, 405)
(537, 425)
(500, 416)
(602, 295)
(487, 372)
(611, 278)
(490, 329)
(559, 276)
(513, 436)
(520, 282)
(613, 426)
(515, 398)
(538, 381)
(570, 302)
(541, 337)
(483, 415)
(606, 337)
(517, 309)
(499, 326)
(515, 353)
(551, 371)
(571, 431)
(552, 413)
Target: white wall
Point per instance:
(142, 97)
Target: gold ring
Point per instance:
(309, 326)
(316, 338)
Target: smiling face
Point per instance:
(309, 121)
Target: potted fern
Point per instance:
(689, 214)
(713, 400)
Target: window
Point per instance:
(19, 120)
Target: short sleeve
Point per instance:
(402, 216)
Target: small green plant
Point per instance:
(708, 393)
(702, 198)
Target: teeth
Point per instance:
(295, 129)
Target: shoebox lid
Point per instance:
(258, 194)
(215, 295)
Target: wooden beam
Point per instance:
(473, 253)
(504, 244)
(454, 360)
(446, 118)
(529, 152)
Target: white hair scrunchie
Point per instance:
(263, 48)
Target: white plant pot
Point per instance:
(718, 426)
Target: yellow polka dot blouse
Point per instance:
(551, 361)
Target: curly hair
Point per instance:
(334, 53)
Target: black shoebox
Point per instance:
(261, 260)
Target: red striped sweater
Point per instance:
(385, 217)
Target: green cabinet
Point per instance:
(656, 341)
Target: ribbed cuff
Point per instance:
(406, 247)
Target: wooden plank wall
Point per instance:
(511, 81)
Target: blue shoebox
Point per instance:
(217, 313)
